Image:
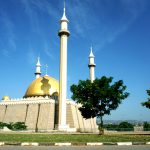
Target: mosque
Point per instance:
(45, 106)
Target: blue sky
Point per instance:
(118, 30)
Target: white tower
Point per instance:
(38, 69)
(91, 66)
(63, 34)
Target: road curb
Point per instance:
(78, 144)
(62, 144)
(110, 143)
(72, 144)
(29, 144)
(148, 143)
(13, 143)
(2, 143)
(139, 143)
(94, 144)
(46, 144)
(124, 143)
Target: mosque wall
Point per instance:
(69, 116)
(75, 116)
(37, 113)
(15, 113)
(80, 119)
(87, 125)
(92, 123)
(2, 112)
(41, 114)
(32, 114)
(76, 120)
(46, 117)
(51, 120)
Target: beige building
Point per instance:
(45, 106)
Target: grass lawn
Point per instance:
(72, 138)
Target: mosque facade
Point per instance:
(45, 106)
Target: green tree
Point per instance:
(147, 103)
(111, 126)
(146, 126)
(125, 126)
(98, 98)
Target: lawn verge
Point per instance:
(72, 138)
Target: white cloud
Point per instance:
(131, 10)
(31, 57)
(32, 14)
(79, 15)
(46, 6)
(9, 35)
(34, 8)
(48, 51)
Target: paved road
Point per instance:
(139, 147)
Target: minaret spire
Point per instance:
(63, 34)
(91, 65)
(64, 5)
(38, 69)
(64, 18)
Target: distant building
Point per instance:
(138, 128)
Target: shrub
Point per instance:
(9, 125)
(2, 125)
(13, 126)
(19, 126)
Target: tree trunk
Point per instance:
(101, 130)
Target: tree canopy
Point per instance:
(122, 126)
(147, 103)
(125, 125)
(100, 97)
(146, 126)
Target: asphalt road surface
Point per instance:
(136, 147)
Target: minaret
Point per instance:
(91, 66)
(38, 69)
(63, 34)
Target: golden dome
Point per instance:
(6, 98)
(43, 86)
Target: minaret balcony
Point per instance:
(63, 32)
(91, 65)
